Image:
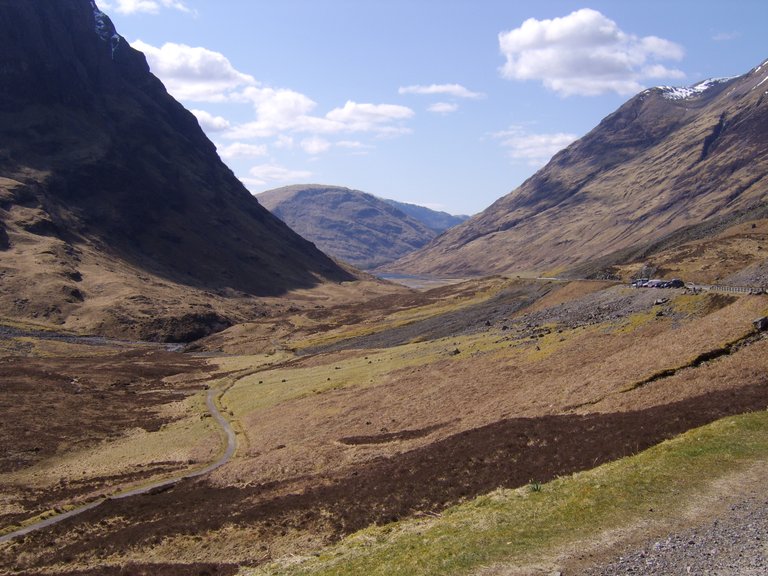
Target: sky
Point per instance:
(449, 104)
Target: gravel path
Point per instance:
(734, 544)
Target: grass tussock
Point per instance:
(519, 526)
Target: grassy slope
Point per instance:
(708, 260)
(523, 526)
(445, 545)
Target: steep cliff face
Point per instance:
(668, 158)
(96, 157)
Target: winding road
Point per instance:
(229, 451)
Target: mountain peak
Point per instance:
(666, 159)
(104, 171)
(104, 28)
(686, 93)
(351, 225)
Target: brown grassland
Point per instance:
(387, 413)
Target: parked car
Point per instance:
(657, 283)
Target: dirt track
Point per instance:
(229, 450)
(52, 405)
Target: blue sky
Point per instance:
(449, 104)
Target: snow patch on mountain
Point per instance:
(678, 93)
(104, 28)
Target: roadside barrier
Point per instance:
(739, 289)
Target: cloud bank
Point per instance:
(585, 53)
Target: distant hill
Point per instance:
(351, 225)
(116, 214)
(436, 220)
(667, 159)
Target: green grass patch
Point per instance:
(636, 321)
(272, 386)
(268, 385)
(523, 525)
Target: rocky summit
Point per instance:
(110, 191)
(668, 158)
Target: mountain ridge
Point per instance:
(352, 225)
(106, 177)
(654, 165)
(437, 220)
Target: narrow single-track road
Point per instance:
(229, 451)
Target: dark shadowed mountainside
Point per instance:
(353, 226)
(106, 180)
(666, 159)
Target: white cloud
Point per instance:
(242, 150)
(315, 145)
(285, 111)
(725, 36)
(443, 107)
(455, 90)
(194, 73)
(354, 117)
(283, 142)
(209, 122)
(277, 105)
(585, 53)
(147, 6)
(277, 110)
(274, 173)
(533, 149)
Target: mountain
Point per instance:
(668, 158)
(353, 226)
(112, 199)
(434, 219)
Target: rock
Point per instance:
(5, 241)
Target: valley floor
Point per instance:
(409, 412)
